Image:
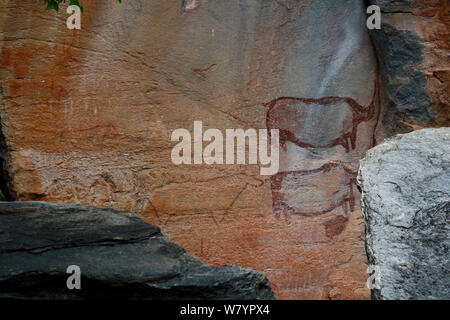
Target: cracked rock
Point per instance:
(119, 255)
(405, 185)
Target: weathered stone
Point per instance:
(87, 116)
(120, 256)
(412, 46)
(405, 184)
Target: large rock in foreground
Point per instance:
(120, 256)
(405, 184)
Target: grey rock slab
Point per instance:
(405, 184)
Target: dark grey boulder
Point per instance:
(405, 184)
(120, 256)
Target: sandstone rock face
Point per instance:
(87, 117)
(405, 184)
(119, 256)
(412, 46)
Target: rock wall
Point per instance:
(412, 47)
(87, 117)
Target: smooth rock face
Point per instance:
(119, 255)
(87, 117)
(405, 184)
(412, 46)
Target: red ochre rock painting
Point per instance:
(281, 110)
(342, 196)
(330, 187)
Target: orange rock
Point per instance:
(87, 117)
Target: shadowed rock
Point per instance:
(120, 256)
(412, 50)
(405, 184)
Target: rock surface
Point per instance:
(412, 47)
(120, 256)
(87, 117)
(405, 184)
